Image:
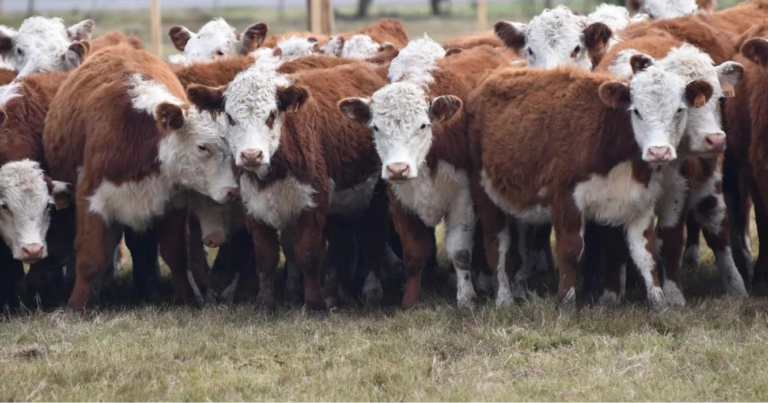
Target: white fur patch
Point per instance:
(672, 202)
(416, 61)
(278, 204)
(712, 223)
(504, 292)
(535, 215)
(667, 9)
(133, 204)
(430, 196)
(729, 274)
(215, 39)
(146, 95)
(553, 36)
(296, 46)
(360, 47)
(9, 92)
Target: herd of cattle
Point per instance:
(624, 131)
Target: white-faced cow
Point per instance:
(217, 39)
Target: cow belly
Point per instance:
(278, 204)
(429, 196)
(352, 201)
(617, 198)
(537, 214)
(133, 204)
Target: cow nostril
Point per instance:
(233, 195)
(33, 250)
(208, 242)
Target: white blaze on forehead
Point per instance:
(295, 47)
(360, 47)
(216, 35)
(398, 112)
(146, 94)
(657, 95)
(416, 61)
(614, 17)
(43, 43)
(552, 36)
(667, 9)
(24, 192)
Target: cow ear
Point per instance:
(357, 109)
(81, 31)
(615, 94)
(698, 93)
(169, 117)
(62, 194)
(7, 38)
(640, 62)
(336, 44)
(453, 51)
(207, 98)
(180, 36)
(290, 99)
(253, 36)
(512, 34)
(444, 108)
(729, 74)
(76, 54)
(596, 37)
(756, 50)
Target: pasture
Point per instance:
(713, 349)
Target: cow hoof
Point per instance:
(609, 299)
(373, 292)
(484, 284)
(656, 302)
(265, 306)
(673, 296)
(734, 286)
(519, 291)
(692, 258)
(466, 299)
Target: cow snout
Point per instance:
(233, 194)
(398, 171)
(214, 240)
(715, 142)
(31, 252)
(660, 154)
(252, 157)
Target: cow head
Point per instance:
(664, 9)
(703, 132)
(44, 44)
(658, 103)
(401, 116)
(217, 39)
(360, 47)
(192, 151)
(254, 106)
(334, 46)
(553, 38)
(27, 199)
(296, 46)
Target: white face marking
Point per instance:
(251, 99)
(360, 47)
(416, 61)
(216, 39)
(25, 206)
(658, 111)
(556, 38)
(295, 47)
(692, 64)
(402, 128)
(667, 9)
(41, 43)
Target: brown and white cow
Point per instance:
(368, 41)
(42, 44)
(300, 161)
(130, 163)
(216, 39)
(596, 160)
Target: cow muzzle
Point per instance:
(251, 158)
(32, 252)
(660, 154)
(714, 143)
(398, 171)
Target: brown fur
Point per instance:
(386, 30)
(113, 38)
(656, 46)
(7, 76)
(743, 16)
(471, 41)
(272, 41)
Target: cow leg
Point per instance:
(197, 259)
(46, 277)
(11, 273)
(459, 230)
(293, 283)
(641, 242)
(760, 275)
(736, 187)
(480, 269)
(171, 235)
(614, 252)
(336, 263)
(310, 242)
(376, 217)
(222, 275)
(671, 241)
(245, 282)
(418, 245)
(692, 255)
(592, 261)
(266, 247)
(569, 234)
(497, 240)
(146, 268)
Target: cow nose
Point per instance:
(715, 142)
(233, 194)
(251, 157)
(398, 171)
(660, 154)
(32, 251)
(214, 240)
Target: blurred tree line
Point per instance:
(436, 5)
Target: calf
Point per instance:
(596, 161)
(299, 161)
(43, 44)
(217, 39)
(129, 164)
(368, 41)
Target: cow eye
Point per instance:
(219, 53)
(19, 52)
(231, 121)
(375, 128)
(202, 148)
(637, 113)
(423, 126)
(530, 52)
(4, 206)
(576, 51)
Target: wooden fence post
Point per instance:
(157, 41)
(482, 15)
